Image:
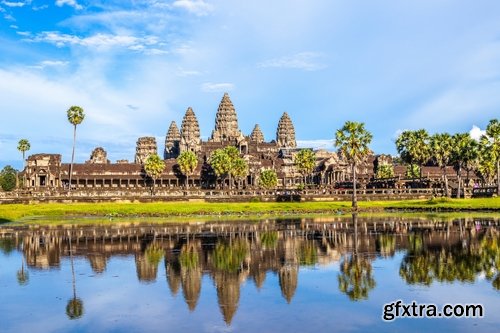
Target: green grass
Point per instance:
(15, 212)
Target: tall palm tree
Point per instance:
(441, 151)
(463, 153)
(75, 117)
(154, 167)
(187, 162)
(239, 170)
(23, 146)
(493, 135)
(352, 141)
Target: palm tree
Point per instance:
(23, 146)
(223, 160)
(493, 135)
(154, 167)
(188, 162)
(305, 161)
(413, 147)
(353, 140)
(239, 170)
(441, 151)
(75, 117)
(463, 153)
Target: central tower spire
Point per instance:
(226, 122)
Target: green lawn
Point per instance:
(13, 212)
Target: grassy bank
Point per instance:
(13, 212)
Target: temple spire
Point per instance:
(285, 133)
(172, 141)
(190, 132)
(226, 122)
(257, 135)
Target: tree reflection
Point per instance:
(74, 308)
(423, 265)
(355, 277)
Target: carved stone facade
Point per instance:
(278, 154)
(257, 135)
(285, 134)
(172, 141)
(98, 156)
(145, 146)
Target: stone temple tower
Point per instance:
(190, 132)
(257, 135)
(172, 141)
(226, 122)
(285, 134)
(145, 146)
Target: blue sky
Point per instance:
(135, 66)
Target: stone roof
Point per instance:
(172, 141)
(285, 133)
(257, 135)
(145, 146)
(190, 129)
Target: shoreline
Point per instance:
(16, 212)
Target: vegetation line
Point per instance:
(14, 212)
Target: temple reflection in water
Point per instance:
(231, 253)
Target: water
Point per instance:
(294, 275)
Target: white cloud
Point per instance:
(197, 7)
(217, 87)
(50, 63)
(13, 26)
(14, 4)
(99, 41)
(42, 7)
(308, 61)
(71, 3)
(476, 132)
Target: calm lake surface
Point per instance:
(323, 274)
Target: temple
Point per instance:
(47, 170)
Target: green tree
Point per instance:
(187, 162)
(413, 171)
(486, 161)
(464, 152)
(493, 136)
(239, 170)
(154, 167)
(305, 161)
(441, 151)
(75, 117)
(23, 146)
(223, 162)
(8, 177)
(268, 179)
(385, 171)
(413, 147)
(352, 141)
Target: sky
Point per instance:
(136, 65)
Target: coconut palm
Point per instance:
(154, 166)
(75, 117)
(187, 162)
(305, 161)
(441, 145)
(352, 141)
(223, 161)
(493, 139)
